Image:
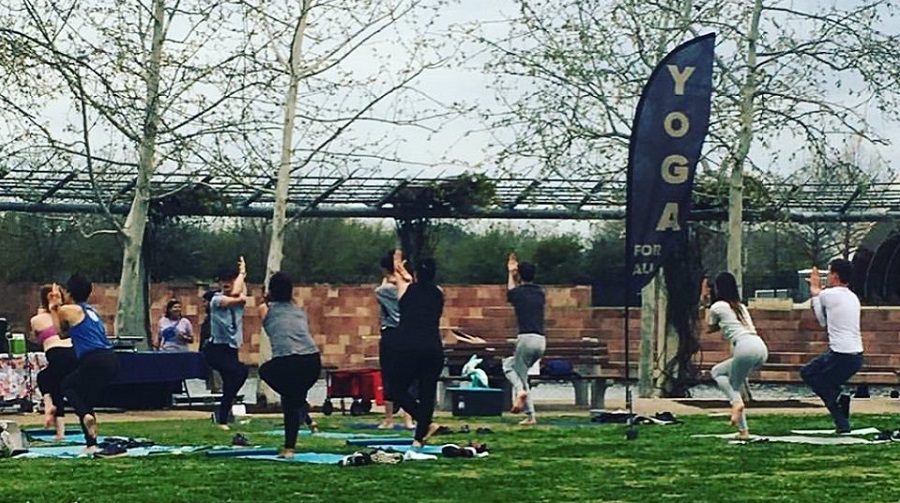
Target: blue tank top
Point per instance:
(90, 334)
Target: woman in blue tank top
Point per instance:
(97, 362)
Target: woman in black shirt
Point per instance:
(419, 345)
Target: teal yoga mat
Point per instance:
(317, 458)
(380, 441)
(74, 451)
(327, 434)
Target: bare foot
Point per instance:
(89, 449)
(49, 416)
(60, 429)
(736, 411)
(519, 403)
(286, 453)
(90, 425)
(409, 425)
(386, 425)
(417, 445)
(528, 421)
(314, 428)
(432, 428)
(743, 435)
(224, 427)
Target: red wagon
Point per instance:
(363, 386)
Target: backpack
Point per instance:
(557, 368)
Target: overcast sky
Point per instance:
(467, 140)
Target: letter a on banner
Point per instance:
(667, 135)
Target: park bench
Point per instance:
(587, 357)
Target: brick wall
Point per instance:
(344, 320)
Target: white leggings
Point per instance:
(749, 354)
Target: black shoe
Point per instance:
(464, 429)
(843, 403)
(883, 435)
(483, 431)
(111, 450)
(240, 440)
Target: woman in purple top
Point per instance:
(175, 331)
(61, 361)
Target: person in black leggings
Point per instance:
(226, 311)
(419, 350)
(296, 363)
(97, 362)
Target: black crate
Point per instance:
(476, 401)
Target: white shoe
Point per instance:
(413, 455)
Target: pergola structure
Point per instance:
(78, 191)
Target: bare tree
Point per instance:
(569, 73)
(344, 75)
(119, 94)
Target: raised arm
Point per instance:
(63, 315)
(512, 268)
(238, 293)
(712, 321)
(815, 288)
(403, 277)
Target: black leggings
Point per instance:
(292, 377)
(224, 358)
(422, 368)
(61, 361)
(85, 384)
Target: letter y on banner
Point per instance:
(670, 124)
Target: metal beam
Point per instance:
(58, 185)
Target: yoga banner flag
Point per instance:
(670, 124)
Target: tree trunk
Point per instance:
(279, 212)
(649, 311)
(736, 189)
(131, 312)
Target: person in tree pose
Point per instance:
(61, 361)
(420, 352)
(226, 311)
(389, 309)
(528, 300)
(296, 363)
(74, 318)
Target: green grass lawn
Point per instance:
(546, 463)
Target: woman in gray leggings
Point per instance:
(749, 352)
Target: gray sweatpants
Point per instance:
(749, 354)
(529, 349)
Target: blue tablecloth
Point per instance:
(152, 367)
(147, 380)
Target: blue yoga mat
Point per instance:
(231, 452)
(326, 434)
(71, 437)
(380, 441)
(74, 451)
(374, 426)
(318, 458)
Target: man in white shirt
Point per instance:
(837, 309)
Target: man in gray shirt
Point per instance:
(837, 309)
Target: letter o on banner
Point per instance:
(682, 122)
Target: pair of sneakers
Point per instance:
(356, 459)
(380, 457)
